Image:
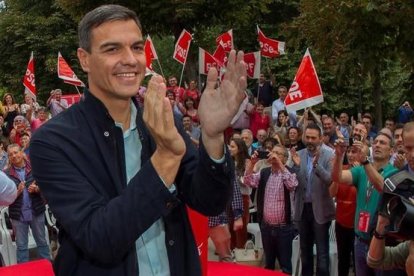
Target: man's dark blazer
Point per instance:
(79, 163)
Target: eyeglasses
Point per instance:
(18, 121)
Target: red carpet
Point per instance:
(38, 268)
(228, 269)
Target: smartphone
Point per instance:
(357, 137)
(261, 154)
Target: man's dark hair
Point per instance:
(100, 15)
(399, 126)
(315, 127)
(282, 87)
(186, 116)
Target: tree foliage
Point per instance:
(361, 42)
(362, 49)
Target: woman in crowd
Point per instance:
(192, 92)
(238, 152)
(11, 110)
(218, 226)
(345, 212)
(29, 104)
(20, 127)
(190, 110)
(282, 124)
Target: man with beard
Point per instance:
(368, 180)
(314, 208)
(397, 158)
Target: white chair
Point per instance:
(296, 263)
(4, 241)
(11, 245)
(254, 229)
(333, 253)
(6, 235)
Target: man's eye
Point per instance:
(139, 48)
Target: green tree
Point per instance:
(359, 41)
(37, 26)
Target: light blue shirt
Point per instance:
(151, 249)
(278, 105)
(309, 167)
(26, 209)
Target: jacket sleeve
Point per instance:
(324, 170)
(8, 191)
(104, 228)
(202, 183)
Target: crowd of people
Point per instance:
(301, 172)
(118, 178)
(27, 206)
(316, 168)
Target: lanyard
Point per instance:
(370, 189)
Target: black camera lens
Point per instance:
(392, 205)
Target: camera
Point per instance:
(398, 205)
(261, 154)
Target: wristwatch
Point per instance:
(378, 235)
(365, 162)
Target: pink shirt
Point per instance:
(36, 123)
(274, 198)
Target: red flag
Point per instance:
(270, 48)
(252, 61)
(220, 54)
(182, 46)
(305, 90)
(29, 78)
(226, 41)
(66, 74)
(206, 61)
(150, 53)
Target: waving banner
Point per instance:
(220, 54)
(226, 41)
(306, 90)
(182, 46)
(252, 61)
(270, 48)
(150, 53)
(29, 78)
(206, 61)
(66, 73)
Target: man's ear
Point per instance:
(83, 57)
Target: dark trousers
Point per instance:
(345, 244)
(277, 243)
(310, 233)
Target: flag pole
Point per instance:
(77, 90)
(159, 64)
(181, 77)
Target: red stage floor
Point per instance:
(226, 269)
(44, 268)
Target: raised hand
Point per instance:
(219, 105)
(295, 156)
(399, 161)
(159, 119)
(340, 147)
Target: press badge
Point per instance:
(363, 222)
